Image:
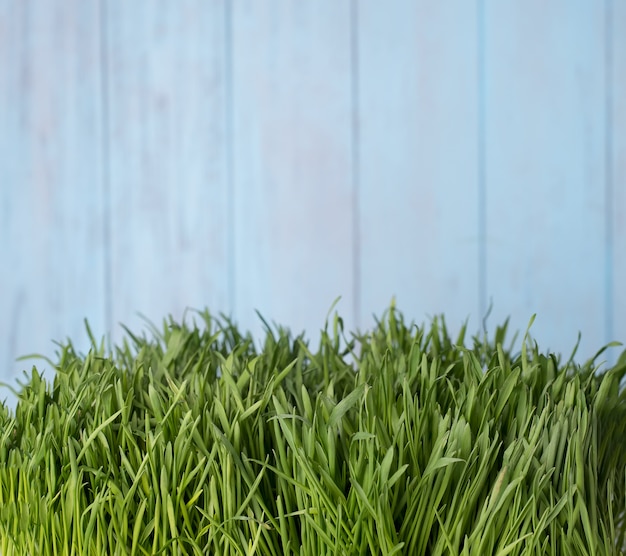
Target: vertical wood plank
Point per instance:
(618, 159)
(51, 228)
(545, 168)
(169, 221)
(418, 158)
(292, 161)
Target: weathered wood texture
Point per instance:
(545, 167)
(615, 293)
(274, 155)
(418, 159)
(52, 246)
(292, 160)
(167, 151)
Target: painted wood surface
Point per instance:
(545, 168)
(168, 213)
(52, 241)
(615, 294)
(418, 176)
(274, 155)
(292, 161)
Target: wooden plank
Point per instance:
(617, 115)
(169, 196)
(51, 228)
(418, 173)
(545, 174)
(292, 161)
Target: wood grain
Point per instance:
(617, 116)
(545, 172)
(51, 229)
(418, 126)
(292, 161)
(169, 198)
(275, 155)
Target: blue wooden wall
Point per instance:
(275, 154)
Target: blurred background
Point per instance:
(277, 154)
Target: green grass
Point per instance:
(399, 441)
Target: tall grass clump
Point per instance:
(191, 440)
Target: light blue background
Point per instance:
(274, 155)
